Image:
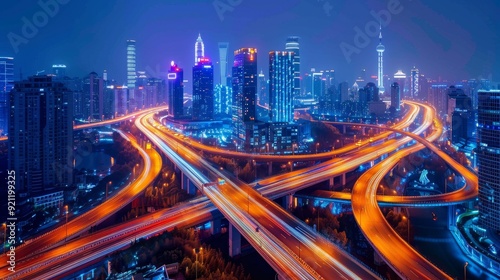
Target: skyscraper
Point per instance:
(203, 90)
(317, 85)
(244, 91)
(175, 91)
(41, 135)
(199, 49)
(223, 62)
(131, 65)
(396, 96)
(400, 78)
(414, 83)
(281, 81)
(93, 89)
(263, 92)
(488, 159)
(6, 84)
(292, 45)
(59, 70)
(380, 51)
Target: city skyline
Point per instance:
(440, 42)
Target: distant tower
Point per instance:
(292, 45)
(130, 63)
(414, 83)
(281, 78)
(380, 51)
(223, 62)
(199, 49)
(400, 78)
(396, 96)
(175, 91)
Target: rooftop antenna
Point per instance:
(39, 72)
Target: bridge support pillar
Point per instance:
(288, 201)
(343, 179)
(191, 187)
(452, 218)
(215, 226)
(331, 182)
(234, 241)
(344, 129)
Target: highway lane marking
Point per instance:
(283, 235)
(305, 233)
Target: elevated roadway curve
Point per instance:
(151, 168)
(405, 261)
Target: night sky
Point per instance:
(451, 39)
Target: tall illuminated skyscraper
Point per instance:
(223, 62)
(396, 96)
(281, 80)
(199, 49)
(400, 78)
(380, 51)
(414, 86)
(203, 90)
(292, 45)
(41, 135)
(131, 65)
(6, 85)
(244, 91)
(175, 91)
(488, 159)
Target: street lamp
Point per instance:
(235, 145)
(408, 224)
(196, 261)
(465, 270)
(66, 210)
(267, 148)
(317, 144)
(108, 185)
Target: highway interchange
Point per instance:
(287, 241)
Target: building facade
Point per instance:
(488, 159)
(131, 64)
(203, 90)
(6, 85)
(175, 91)
(244, 85)
(281, 86)
(41, 135)
(292, 45)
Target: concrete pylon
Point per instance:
(234, 241)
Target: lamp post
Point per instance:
(465, 270)
(196, 261)
(408, 226)
(66, 210)
(317, 144)
(267, 148)
(108, 185)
